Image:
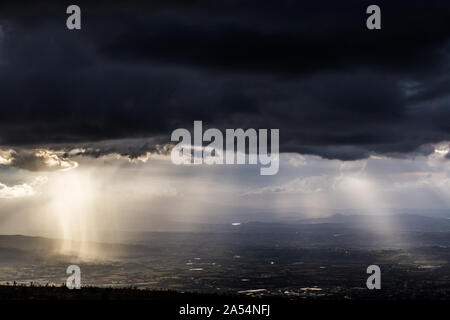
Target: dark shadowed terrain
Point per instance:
(320, 259)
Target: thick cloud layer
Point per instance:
(36, 160)
(313, 70)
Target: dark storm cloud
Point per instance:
(143, 69)
(129, 148)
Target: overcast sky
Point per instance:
(86, 116)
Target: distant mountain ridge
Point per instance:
(399, 222)
(336, 222)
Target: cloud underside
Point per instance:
(36, 159)
(332, 87)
